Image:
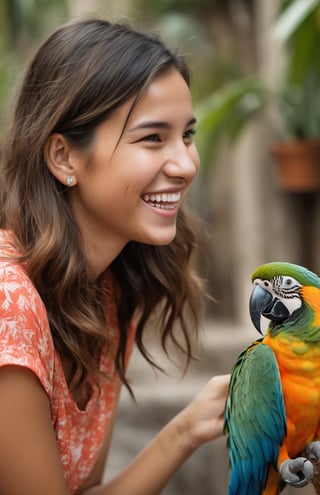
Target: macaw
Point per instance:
(272, 415)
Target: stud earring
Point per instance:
(69, 180)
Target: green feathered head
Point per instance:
(289, 296)
(281, 268)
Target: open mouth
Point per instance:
(164, 201)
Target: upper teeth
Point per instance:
(164, 197)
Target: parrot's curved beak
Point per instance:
(262, 303)
(259, 301)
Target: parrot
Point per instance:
(272, 412)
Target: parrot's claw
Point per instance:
(312, 450)
(296, 472)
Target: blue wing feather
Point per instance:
(255, 419)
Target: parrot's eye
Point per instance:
(289, 283)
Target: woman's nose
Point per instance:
(183, 162)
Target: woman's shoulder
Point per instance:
(20, 302)
(15, 283)
(25, 336)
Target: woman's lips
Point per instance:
(165, 201)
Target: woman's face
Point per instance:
(132, 182)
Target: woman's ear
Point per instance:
(58, 157)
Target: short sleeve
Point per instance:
(25, 337)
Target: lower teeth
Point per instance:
(162, 207)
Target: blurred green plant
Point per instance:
(225, 113)
(222, 116)
(191, 26)
(197, 9)
(22, 23)
(29, 19)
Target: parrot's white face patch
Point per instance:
(285, 288)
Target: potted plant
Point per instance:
(297, 154)
(297, 99)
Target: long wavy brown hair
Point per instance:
(77, 78)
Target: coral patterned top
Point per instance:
(25, 340)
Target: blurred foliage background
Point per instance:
(195, 27)
(22, 25)
(235, 70)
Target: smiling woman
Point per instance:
(138, 157)
(94, 237)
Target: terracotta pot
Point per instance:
(298, 165)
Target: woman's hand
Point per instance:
(199, 422)
(202, 420)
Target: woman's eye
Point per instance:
(189, 134)
(155, 138)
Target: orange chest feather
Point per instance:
(311, 296)
(295, 356)
(299, 366)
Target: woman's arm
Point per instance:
(29, 460)
(198, 423)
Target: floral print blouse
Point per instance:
(25, 340)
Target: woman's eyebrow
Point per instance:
(154, 124)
